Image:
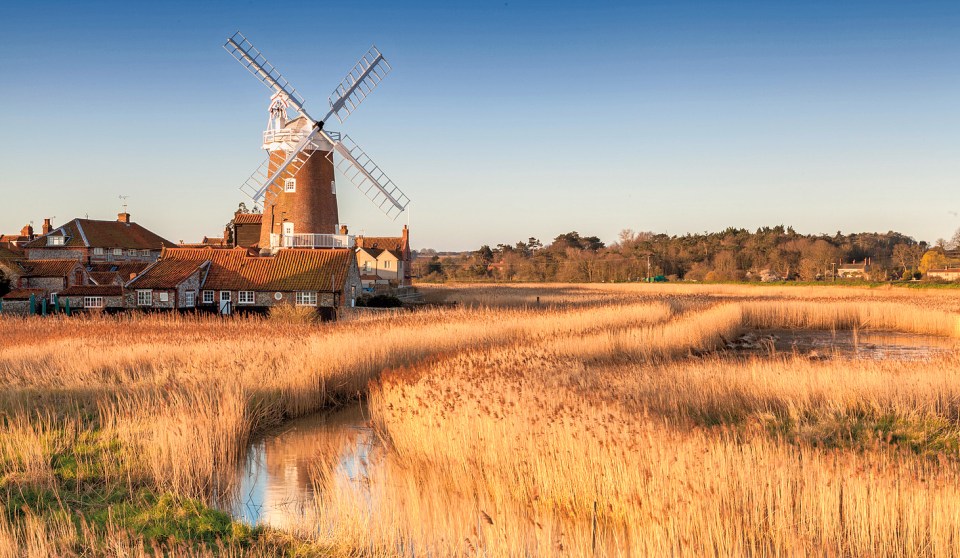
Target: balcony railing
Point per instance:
(312, 241)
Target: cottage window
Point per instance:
(132, 252)
(290, 185)
(245, 297)
(386, 265)
(144, 298)
(56, 241)
(190, 299)
(93, 302)
(98, 251)
(306, 298)
(208, 297)
(366, 265)
(145, 253)
(164, 297)
(118, 251)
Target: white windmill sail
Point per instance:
(350, 159)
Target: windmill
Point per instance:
(296, 189)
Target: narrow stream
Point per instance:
(821, 344)
(276, 482)
(275, 485)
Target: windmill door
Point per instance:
(287, 235)
(224, 302)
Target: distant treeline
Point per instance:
(769, 253)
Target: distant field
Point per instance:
(523, 420)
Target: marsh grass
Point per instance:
(599, 421)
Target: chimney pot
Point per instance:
(343, 229)
(123, 217)
(47, 227)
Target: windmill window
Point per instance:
(290, 185)
(144, 298)
(333, 187)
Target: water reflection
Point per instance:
(870, 345)
(276, 484)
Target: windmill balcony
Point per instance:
(293, 137)
(312, 241)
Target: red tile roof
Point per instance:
(90, 233)
(309, 270)
(13, 238)
(123, 268)
(106, 277)
(48, 268)
(381, 242)
(289, 270)
(92, 290)
(10, 251)
(166, 274)
(24, 294)
(247, 218)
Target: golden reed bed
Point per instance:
(579, 425)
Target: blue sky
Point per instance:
(500, 120)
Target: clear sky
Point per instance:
(501, 120)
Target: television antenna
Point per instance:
(346, 156)
(123, 201)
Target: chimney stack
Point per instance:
(47, 227)
(27, 231)
(343, 229)
(123, 217)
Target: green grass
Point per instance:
(90, 486)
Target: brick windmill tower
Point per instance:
(305, 201)
(297, 186)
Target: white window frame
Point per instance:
(57, 240)
(246, 297)
(118, 251)
(333, 187)
(53, 298)
(190, 299)
(366, 265)
(164, 296)
(209, 297)
(93, 302)
(290, 185)
(98, 251)
(306, 298)
(132, 252)
(144, 297)
(144, 252)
